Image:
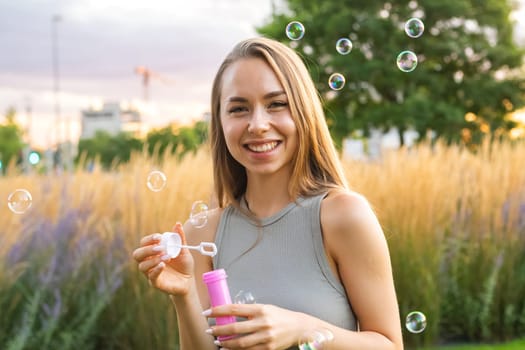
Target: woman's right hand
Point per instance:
(173, 276)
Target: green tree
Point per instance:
(113, 149)
(158, 140)
(180, 139)
(466, 57)
(191, 137)
(11, 142)
(110, 149)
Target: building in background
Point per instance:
(372, 147)
(112, 118)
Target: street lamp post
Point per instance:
(56, 76)
(56, 73)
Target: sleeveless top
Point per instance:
(288, 266)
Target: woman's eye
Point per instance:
(278, 104)
(238, 109)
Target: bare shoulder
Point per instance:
(344, 210)
(350, 225)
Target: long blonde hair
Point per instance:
(316, 165)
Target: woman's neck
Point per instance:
(266, 196)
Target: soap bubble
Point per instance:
(295, 30)
(19, 201)
(315, 340)
(244, 297)
(407, 61)
(416, 322)
(199, 214)
(344, 46)
(414, 27)
(156, 181)
(336, 81)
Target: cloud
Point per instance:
(108, 38)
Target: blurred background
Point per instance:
(104, 109)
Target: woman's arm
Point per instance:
(356, 245)
(192, 324)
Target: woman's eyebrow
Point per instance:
(236, 99)
(274, 94)
(267, 96)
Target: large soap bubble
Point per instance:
(414, 27)
(295, 30)
(199, 214)
(344, 46)
(19, 201)
(416, 322)
(407, 61)
(336, 81)
(156, 181)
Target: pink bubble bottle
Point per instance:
(219, 294)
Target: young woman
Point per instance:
(287, 227)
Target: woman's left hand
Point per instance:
(266, 327)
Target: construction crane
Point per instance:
(147, 74)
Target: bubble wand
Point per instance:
(172, 243)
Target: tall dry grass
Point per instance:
(454, 220)
(68, 211)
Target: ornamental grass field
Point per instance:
(454, 220)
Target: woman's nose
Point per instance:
(259, 121)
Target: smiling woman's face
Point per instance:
(255, 115)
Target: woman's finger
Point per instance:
(150, 239)
(140, 254)
(154, 272)
(147, 252)
(238, 310)
(146, 265)
(180, 230)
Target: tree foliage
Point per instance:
(466, 60)
(11, 142)
(113, 149)
(179, 139)
(110, 149)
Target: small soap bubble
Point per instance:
(295, 30)
(414, 27)
(199, 214)
(416, 322)
(407, 61)
(156, 181)
(315, 340)
(19, 201)
(336, 81)
(244, 297)
(344, 46)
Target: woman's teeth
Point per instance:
(263, 148)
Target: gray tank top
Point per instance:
(288, 267)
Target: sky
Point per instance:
(101, 42)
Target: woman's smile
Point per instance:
(262, 147)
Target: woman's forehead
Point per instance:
(249, 76)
